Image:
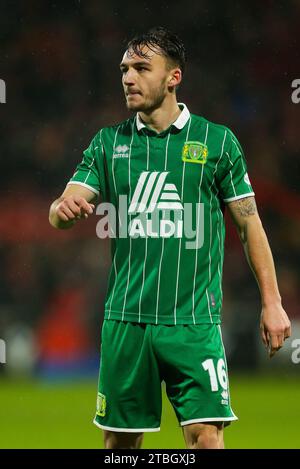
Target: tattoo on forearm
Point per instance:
(246, 207)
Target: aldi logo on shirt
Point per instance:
(158, 207)
(155, 210)
(152, 193)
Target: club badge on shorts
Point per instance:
(194, 152)
(101, 405)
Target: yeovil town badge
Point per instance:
(194, 152)
(101, 405)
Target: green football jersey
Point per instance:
(165, 193)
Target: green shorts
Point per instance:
(136, 358)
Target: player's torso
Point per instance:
(176, 165)
(170, 237)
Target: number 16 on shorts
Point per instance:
(218, 377)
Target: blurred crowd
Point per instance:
(60, 62)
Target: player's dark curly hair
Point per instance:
(160, 40)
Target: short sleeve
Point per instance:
(87, 172)
(232, 176)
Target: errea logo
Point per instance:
(121, 151)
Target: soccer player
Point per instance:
(176, 172)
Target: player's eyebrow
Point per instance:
(137, 63)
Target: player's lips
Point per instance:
(132, 93)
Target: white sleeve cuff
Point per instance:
(237, 197)
(84, 185)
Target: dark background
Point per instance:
(60, 62)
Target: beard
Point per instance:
(150, 102)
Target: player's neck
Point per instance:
(161, 118)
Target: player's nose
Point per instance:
(129, 78)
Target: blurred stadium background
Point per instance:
(60, 64)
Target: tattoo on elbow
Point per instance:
(246, 207)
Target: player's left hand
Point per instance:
(275, 327)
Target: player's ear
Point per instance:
(175, 77)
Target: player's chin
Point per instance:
(134, 103)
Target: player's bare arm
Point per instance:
(74, 204)
(274, 324)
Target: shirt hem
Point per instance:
(166, 320)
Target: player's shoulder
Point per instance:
(121, 128)
(214, 128)
(106, 136)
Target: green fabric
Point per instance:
(136, 358)
(160, 280)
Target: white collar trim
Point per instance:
(179, 123)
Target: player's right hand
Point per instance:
(73, 207)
